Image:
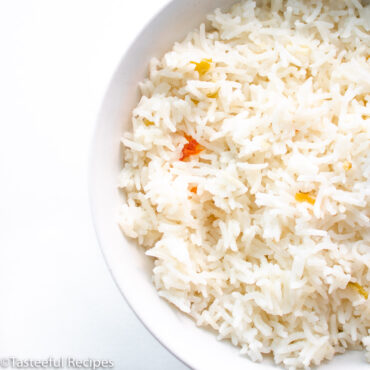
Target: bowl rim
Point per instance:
(90, 175)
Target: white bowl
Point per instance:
(131, 269)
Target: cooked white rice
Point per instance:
(232, 245)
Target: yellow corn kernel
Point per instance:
(203, 66)
(304, 197)
(347, 165)
(195, 101)
(359, 288)
(147, 122)
(213, 95)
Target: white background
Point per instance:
(57, 297)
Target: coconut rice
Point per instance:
(263, 233)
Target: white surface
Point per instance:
(57, 296)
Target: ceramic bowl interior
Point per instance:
(131, 269)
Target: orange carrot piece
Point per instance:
(192, 147)
(304, 197)
(194, 189)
